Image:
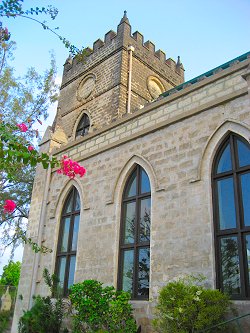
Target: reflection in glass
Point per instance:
(145, 184)
(143, 274)
(245, 190)
(128, 270)
(71, 270)
(65, 234)
(69, 203)
(61, 271)
(129, 216)
(145, 220)
(243, 153)
(230, 265)
(225, 163)
(226, 203)
(248, 256)
(77, 203)
(131, 186)
(75, 232)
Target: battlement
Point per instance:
(123, 38)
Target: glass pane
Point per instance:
(145, 184)
(243, 153)
(128, 270)
(68, 207)
(77, 203)
(230, 265)
(75, 233)
(131, 186)
(245, 190)
(61, 271)
(225, 163)
(145, 220)
(129, 216)
(248, 255)
(227, 215)
(143, 273)
(71, 270)
(65, 235)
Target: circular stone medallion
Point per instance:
(86, 87)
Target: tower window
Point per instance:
(83, 126)
(134, 258)
(231, 197)
(67, 242)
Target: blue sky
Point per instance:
(204, 33)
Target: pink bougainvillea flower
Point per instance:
(9, 206)
(71, 168)
(30, 148)
(22, 127)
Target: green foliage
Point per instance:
(185, 307)
(101, 309)
(11, 274)
(22, 100)
(46, 314)
(4, 320)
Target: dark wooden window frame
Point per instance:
(240, 231)
(137, 245)
(69, 253)
(83, 126)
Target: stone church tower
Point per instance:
(120, 75)
(149, 209)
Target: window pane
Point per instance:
(68, 207)
(131, 187)
(230, 265)
(227, 216)
(225, 163)
(245, 190)
(143, 273)
(248, 256)
(243, 153)
(129, 216)
(65, 235)
(145, 184)
(61, 271)
(145, 220)
(71, 270)
(128, 270)
(75, 232)
(77, 203)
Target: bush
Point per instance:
(5, 317)
(46, 314)
(101, 309)
(185, 307)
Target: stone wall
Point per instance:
(174, 139)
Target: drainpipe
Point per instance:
(39, 237)
(130, 53)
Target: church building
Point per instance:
(167, 188)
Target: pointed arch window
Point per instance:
(67, 242)
(134, 256)
(83, 126)
(231, 198)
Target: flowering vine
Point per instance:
(71, 168)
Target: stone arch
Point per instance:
(125, 173)
(116, 197)
(84, 111)
(214, 141)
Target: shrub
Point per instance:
(5, 317)
(185, 307)
(101, 309)
(46, 314)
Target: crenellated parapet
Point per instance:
(116, 41)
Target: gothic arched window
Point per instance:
(83, 126)
(231, 198)
(67, 242)
(134, 256)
